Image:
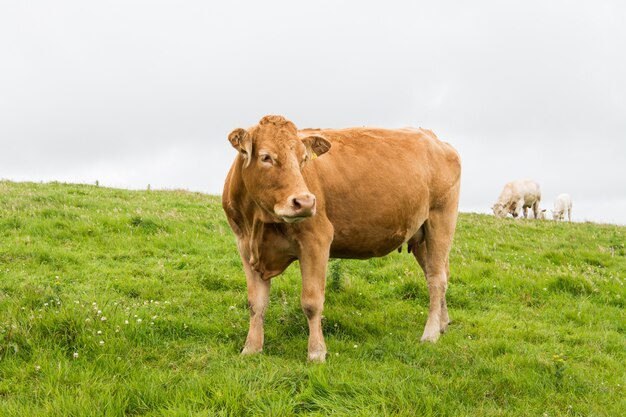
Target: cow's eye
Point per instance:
(267, 159)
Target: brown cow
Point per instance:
(369, 192)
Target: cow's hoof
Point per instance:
(443, 326)
(247, 350)
(319, 357)
(430, 336)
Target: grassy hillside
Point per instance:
(116, 302)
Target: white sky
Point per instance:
(132, 93)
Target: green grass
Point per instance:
(538, 312)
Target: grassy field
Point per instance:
(116, 302)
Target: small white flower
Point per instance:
(231, 307)
(151, 323)
(336, 353)
(45, 304)
(356, 346)
(87, 319)
(125, 321)
(102, 343)
(103, 318)
(99, 332)
(154, 317)
(93, 304)
(138, 320)
(37, 368)
(99, 312)
(75, 355)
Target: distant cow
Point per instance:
(342, 193)
(517, 196)
(562, 205)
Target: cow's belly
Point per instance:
(350, 250)
(361, 239)
(529, 200)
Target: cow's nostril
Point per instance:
(302, 203)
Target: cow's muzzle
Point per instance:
(298, 208)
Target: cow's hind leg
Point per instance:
(439, 233)
(418, 248)
(445, 319)
(421, 254)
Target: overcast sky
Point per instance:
(133, 93)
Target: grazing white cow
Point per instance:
(562, 205)
(518, 196)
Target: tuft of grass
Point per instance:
(334, 275)
(120, 302)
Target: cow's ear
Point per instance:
(317, 145)
(237, 138)
(240, 139)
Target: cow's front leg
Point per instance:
(258, 299)
(313, 262)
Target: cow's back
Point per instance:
(563, 202)
(528, 190)
(377, 186)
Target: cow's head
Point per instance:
(499, 210)
(272, 159)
